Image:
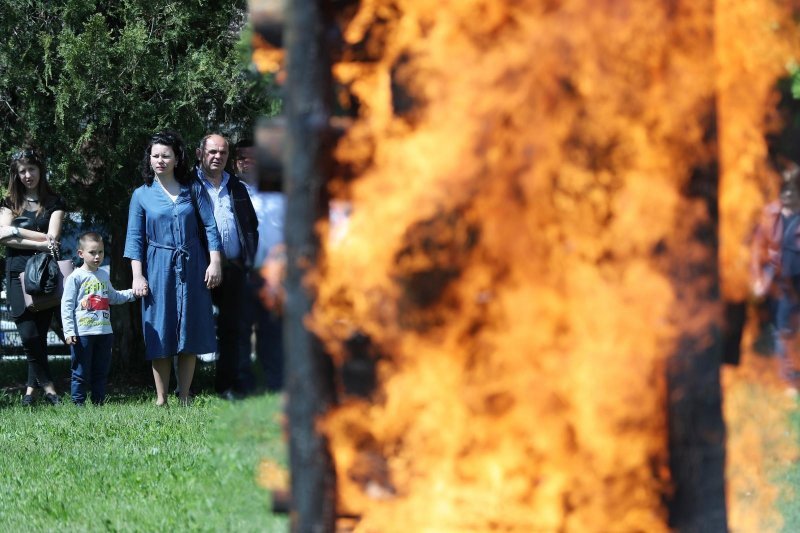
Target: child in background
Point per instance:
(85, 312)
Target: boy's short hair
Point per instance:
(88, 236)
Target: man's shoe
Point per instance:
(27, 400)
(52, 399)
(230, 395)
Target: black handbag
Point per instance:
(41, 274)
(48, 281)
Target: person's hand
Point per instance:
(71, 340)
(140, 286)
(760, 287)
(53, 243)
(213, 276)
(272, 293)
(5, 232)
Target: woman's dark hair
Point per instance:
(174, 141)
(16, 189)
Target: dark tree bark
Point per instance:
(696, 426)
(307, 164)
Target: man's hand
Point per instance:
(213, 277)
(273, 271)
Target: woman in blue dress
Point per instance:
(171, 270)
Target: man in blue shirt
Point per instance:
(238, 227)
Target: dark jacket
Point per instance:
(245, 215)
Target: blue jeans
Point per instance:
(91, 361)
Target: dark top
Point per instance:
(16, 258)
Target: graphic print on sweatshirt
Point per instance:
(95, 306)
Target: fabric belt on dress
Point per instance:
(180, 254)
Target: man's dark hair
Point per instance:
(244, 143)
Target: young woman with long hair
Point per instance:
(30, 221)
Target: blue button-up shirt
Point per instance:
(270, 208)
(223, 214)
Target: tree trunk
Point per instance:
(307, 164)
(696, 426)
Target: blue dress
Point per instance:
(163, 235)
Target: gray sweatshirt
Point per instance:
(86, 302)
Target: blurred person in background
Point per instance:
(775, 272)
(269, 203)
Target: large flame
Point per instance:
(521, 174)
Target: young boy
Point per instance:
(86, 317)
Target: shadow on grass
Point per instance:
(136, 387)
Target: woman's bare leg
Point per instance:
(186, 363)
(161, 373)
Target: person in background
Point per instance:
(30, 221)
(238, 228)
(775, 272)
(86, 316)
(176, 260)
(270, 208)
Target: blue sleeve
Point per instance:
(206, 212)
(116, 297)
(137, 231)
(68, 303)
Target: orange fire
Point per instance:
(519, 204)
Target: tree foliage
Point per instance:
(89, 80)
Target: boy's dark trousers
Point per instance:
(91, 361)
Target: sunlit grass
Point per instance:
(132, 466)
(790, 482)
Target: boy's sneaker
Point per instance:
(27, 400)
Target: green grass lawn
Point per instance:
(132, 466)
(789, 479)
